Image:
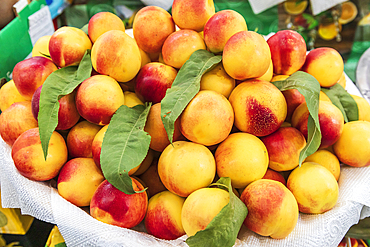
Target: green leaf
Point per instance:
(63, 244)
(125, 146)
(344, 101)
(185, 86)
(223, 230)
(85, 28)
(3, 219)
(309, 87)
(59, 83)
(311, 21)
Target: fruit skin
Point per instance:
(342, 80)
(330, 119)
(218, 80)
(274, 175)
(284, 147)
(325, 64)
(96, 145)
(220, 27)
(152, 180)
(68, 45)
(81, 173)
(179, 46)
(98, 97)
(80, 138)
(41, 47)
(15, 120)
(8, 95)
(231, 159)
(324, 97)
(145, 164)
(246, 44)
(68, 115)
(114, 207)
(200, 207)
(151, 26)
(102, 22)
(31, 73)
(153, 80)
(207, 113)
(192, 14)
(163, 217)
(267, 76)
(131, 99)
(327, 159)
(352, 147)
(116, 54)
(272, 208)
(29, 159)
(155, 128)
(144, 57)
(293, 99)
(185, 167)
(288, 51)
(279, 78)
(314, 188)
(363, 108)
(260, 107)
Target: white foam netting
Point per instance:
(42, 201)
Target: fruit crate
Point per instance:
(42, 201)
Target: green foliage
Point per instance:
(344, 101)
(58, 84)
(223, 230)
(185, 86)
(125, 145)
(309, 87)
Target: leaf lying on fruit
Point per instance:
(309, 87)
(344, 101)
(125, 146)
(224, 228)
(58, 84)
(185, 87)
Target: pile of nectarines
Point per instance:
(239, 125)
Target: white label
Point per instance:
(40, 24)
(18, 6)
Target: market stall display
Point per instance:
(39, 177)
